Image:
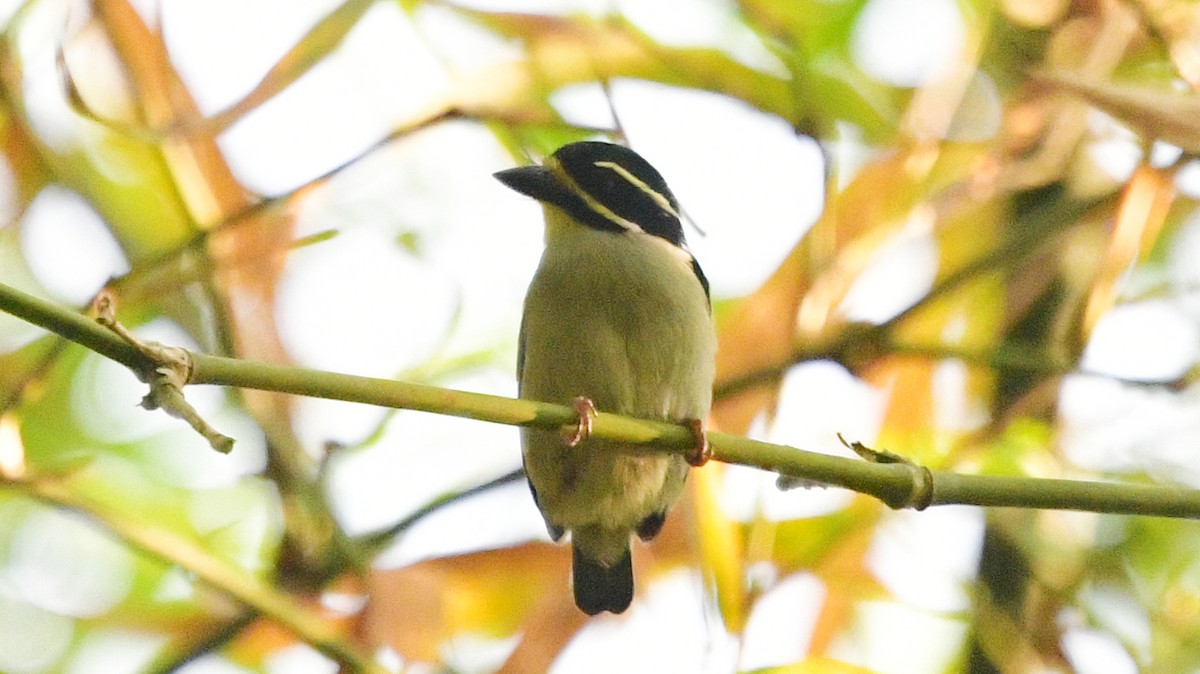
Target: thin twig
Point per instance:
(170, 370)
(377, 540)
(858, 339)
(216, 572)
(172, 661)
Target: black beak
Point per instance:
(540, 183)
(534, 181)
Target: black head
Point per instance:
(604, 186)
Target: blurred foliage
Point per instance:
(992, 159)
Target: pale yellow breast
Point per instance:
(624, 323)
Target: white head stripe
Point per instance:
(591, 201)
(658, 198)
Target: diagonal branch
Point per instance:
(899, 485)
(847, 345)
(214, 571)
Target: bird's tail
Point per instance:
(599, 587)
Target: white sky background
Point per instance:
(744, 177)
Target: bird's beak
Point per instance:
(538, 182)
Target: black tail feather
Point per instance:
(602, 588)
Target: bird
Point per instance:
(617, 318)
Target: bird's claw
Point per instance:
(702, 451)
(583, 428)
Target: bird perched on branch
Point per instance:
(617, 318)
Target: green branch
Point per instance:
(899, 485)
(71, 325)
(170, 661)
(214, 571)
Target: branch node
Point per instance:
(920, 496)
(169, 370)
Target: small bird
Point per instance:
(617, 318)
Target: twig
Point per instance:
(848, 346)
(379, 539)
(169, 371)
(169, 662)
(214, 571)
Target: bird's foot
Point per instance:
(701, 452)
(587, 411)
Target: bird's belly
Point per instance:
(642, 350)
(601, 485)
